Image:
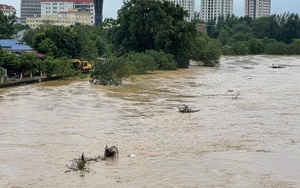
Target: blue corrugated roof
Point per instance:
(14, 45)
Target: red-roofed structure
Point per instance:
(4, 7)
(7, 9)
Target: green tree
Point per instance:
(89, 49)
(7, 22)
(206, 50)
(140, 63)
(159, 25)
(199, 48)
(29, 62)
(239, 48)
(261, 27)
(29, 37)
(276, 48)
(212, 53)
(58, 67)
(19, 27)
(110, 72)
(294, 47)
(224, 36)
(47, 46)
(11, 63)
(80, 41)
(164, 61)
(255, 46)
(2, 54)
(290, 29)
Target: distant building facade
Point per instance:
(257, 8)
(68, 18)
(30, 8)
(7, 10)
(212, 9)
(188, 5)
(98, 12)
(50, 7)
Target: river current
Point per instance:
(246, 134)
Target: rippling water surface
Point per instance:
(250, 141)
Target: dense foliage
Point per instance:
(78, 41)
(7, 25)
(111, 71)
(147, 35)
(277, 34)
(153, 25)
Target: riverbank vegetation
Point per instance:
(273, 35)
(150, 35)
(146, 36)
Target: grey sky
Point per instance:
(111, 6)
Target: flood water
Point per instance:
(246, 134)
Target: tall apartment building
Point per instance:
(30, 8)
(98, 12)
(188, 5)
(50, 7)
(211, 9)
(7, 10)
(257, 8)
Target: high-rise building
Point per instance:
(98, 12)
(257, 8)
(30, 8)
(188, 5)
(212, 9)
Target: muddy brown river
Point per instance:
(246, 134)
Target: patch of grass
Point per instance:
(81, 165)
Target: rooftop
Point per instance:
(2, 7)
(14, 45)
(74, 1)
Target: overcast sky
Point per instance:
(111, 6)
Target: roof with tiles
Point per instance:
(2, 7)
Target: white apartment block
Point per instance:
(48, 8)
(66, 18)
(188, 5)
(257, 8)
(54, 7)
(212, 9)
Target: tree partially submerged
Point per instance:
(206, 50)
(153, 25)
(113, 70)
(109, 72)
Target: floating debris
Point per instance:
(278, 66)
(186, 109)
(110, 152)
